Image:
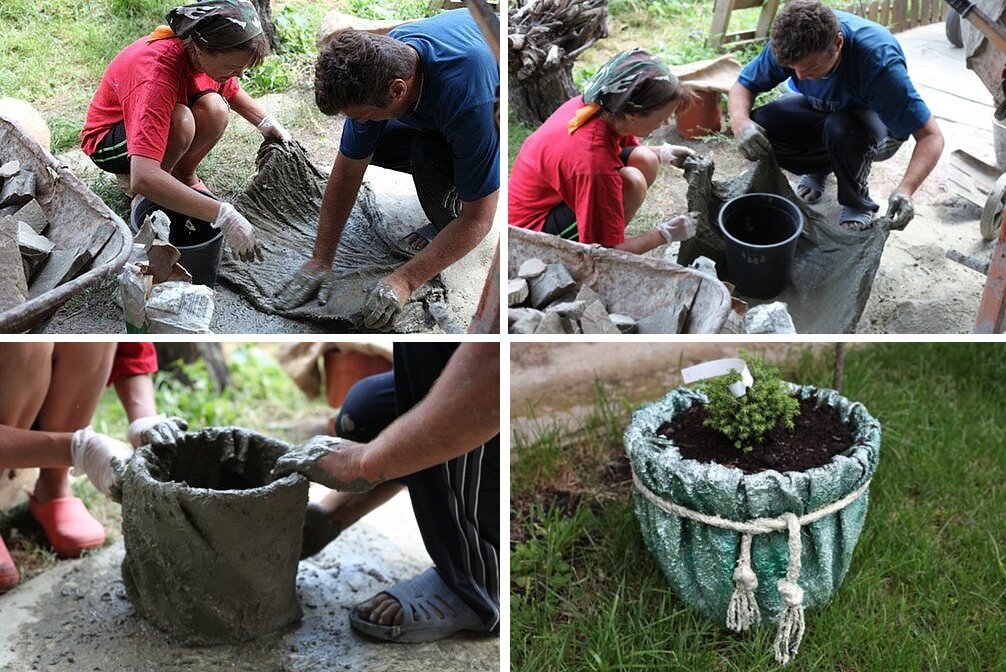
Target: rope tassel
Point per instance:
(791, 623)
(742, 612)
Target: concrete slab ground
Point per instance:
(76, 617)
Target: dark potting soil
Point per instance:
(817, 435)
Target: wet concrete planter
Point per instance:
(793, 535)
(212, 545)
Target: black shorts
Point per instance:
(111, 154)
(561, 220)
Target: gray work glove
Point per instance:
(101, 458)
(673, 155)
(382, 306)
(753, 142)
(900, 210)
(677, 228)
(305, 284)
(239, 232)
(156, 429)
(305, 458)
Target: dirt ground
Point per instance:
(916, 289)
(97, 310)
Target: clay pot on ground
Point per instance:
(344, 369)
(749, 575)
(703, 117)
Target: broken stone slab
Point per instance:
(551, 284)
(13, 284)
(588, 295)
(31, 213)
(570, 325)
(524, 320)
(19, 189)
(517, 291)
(595, 320)
(62, 266)
(625, 323)
(551, 323)
(10, 169)
(570, 309)
(531, 268)
(34, 248)
(769, 318)
(705, 265)
(667, 321)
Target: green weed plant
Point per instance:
(746, 419)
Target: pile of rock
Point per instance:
(545, 299)
(30, 263)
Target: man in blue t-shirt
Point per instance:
(419, 100)
(857, 106)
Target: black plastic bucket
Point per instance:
(200, 244)
(760, 233)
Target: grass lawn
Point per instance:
(927, 585)
(262, 397)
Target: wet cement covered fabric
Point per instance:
(212, 545)
(698, 560)
(833, 269)
(282, 203)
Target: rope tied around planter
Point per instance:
(742, 611)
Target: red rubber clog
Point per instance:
(68, 525)
(9, 576)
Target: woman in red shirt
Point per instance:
(163, 103)
(583, 174)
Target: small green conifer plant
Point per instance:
(746, 419)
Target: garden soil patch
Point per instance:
(818, 435)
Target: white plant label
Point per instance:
(721, 367)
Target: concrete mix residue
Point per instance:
(283, 202)
(78, 616)
(212, 544)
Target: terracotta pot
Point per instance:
(702, 117)
(344, 369)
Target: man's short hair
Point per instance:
(355, 68)
(803, 28)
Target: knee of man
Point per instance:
(432, 149)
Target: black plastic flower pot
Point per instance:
(200, 245)
(760, 233)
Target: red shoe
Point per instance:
(9, 576)
(68, 526)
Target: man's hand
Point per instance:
(271, 129)
(239, 233)
(309, 281)
(329, 460)
(753, 142)
(156, 429)
(384, 303)
(677, 228)
(900, 210)
(101, 458)
(673, 155)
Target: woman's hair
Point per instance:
(355, 68)
(803, 28)
(634, 82)
(257, 48)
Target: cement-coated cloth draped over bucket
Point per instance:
(212, 544)
(282, 203)
(833, 269)
(699, 559)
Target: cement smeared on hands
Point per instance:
(833, 268)
(283, 202)
(212, 543)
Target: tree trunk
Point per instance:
(545, 38)
(268, 27)
(169, 355)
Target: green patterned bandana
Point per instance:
(630, 82)
(216, 24)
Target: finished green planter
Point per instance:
(793, 535)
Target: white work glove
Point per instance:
(155, 429)
(381, 307)
(677, 228)
(271, 129)
(101, 458)
(239, 233)
(307, 283)
(900, 210)
(673, 155)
